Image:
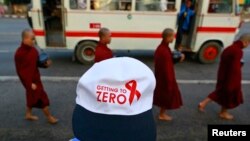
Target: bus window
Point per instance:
(110, 5)
(125, 5)
(78, 4)
(148, 5)
(220, 6)
(168, 5)
(155, 5)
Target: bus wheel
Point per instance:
(85, 52)
(209, 52)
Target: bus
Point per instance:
(136, 25)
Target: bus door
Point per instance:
(184, 36)
(54, 23)
(196, 21)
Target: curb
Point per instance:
(76, 79)
(13, 16)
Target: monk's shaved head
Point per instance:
(103, 31)
(167, 32)
(28, 37)
(104, 35)
(26, 33)
(168, 35)
(245, 37)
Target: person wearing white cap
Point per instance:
(166, 94)
(114, 102)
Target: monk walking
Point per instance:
(166, 95)
(26, 58)
(102, 51)
(228, 93)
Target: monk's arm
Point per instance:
(235, 71)
(32, 67)
(22, 69)
(236, 62)
(169, 73)
(23, 73)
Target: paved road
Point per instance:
(60, 83)
(188, 124)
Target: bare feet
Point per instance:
(52, 120)
(201, 108)
(31, 117)
(226, 116)
(165, 117)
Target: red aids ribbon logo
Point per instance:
(131, 85)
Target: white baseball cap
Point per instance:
(114, 102)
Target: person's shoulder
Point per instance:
(232, 50)
(110, 50)
(17, 52)
(159, 47)
(237, 50)
(18, 49)
(161, 50)
(34, 50)
(98, 45)
(97, 48)
(227, 50)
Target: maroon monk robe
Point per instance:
(166, 94)
(26, 58)
(102, 52)
(228, 91)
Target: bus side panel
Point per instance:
(217, 27)
(135, 31)
(203, 38)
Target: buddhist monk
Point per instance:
(228, 93)
(166, 95)
(102, 51)
(26, 60)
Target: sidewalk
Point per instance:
(12, 16)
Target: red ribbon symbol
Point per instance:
(131, 85)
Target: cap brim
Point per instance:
(89, 126)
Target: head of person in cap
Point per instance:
(114, 102)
